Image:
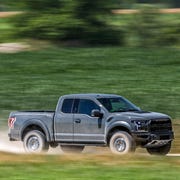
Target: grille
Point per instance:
(159, 125)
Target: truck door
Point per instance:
(63, 122)
(86, 127)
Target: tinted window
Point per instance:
(86, 106)
(67, 106)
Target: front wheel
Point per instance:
(163, 150)
(121, 143)
(35, 142)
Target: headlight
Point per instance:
(141, 125)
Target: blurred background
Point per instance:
(49, 48)
(114, 22)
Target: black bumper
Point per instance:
(153, 139)
(10, 138)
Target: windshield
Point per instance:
(118, 104)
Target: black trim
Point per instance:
(82, 143)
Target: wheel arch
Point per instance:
(117, 127)
(34, 125)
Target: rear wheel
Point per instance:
(121, 143)
(35, 142)
(163, 150)
(72, 149)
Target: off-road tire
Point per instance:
(35, 142)
(121, 143)
(161, 151)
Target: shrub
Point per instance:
(75, 21)
(146, 26)
(151, 29)
(170, 34)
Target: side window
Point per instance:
(67, 106)
(86, 106)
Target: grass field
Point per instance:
(35, 80)
(74, 167)
(148, 77)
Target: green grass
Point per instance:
(93, 167)
(35, 80)
(6, 31)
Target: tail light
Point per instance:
(11, 122)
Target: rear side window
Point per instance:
(67, 106)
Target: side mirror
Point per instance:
(96, 113)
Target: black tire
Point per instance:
(121, 143)
(161, 151)
(72, 149)
(35, 142)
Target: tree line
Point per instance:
(11, 4)
(87, 22)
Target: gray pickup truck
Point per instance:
(92, 119)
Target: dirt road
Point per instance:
(133, 11)
(117, 11)
(7, 146)
(8, 14)
(16, 147)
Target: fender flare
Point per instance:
(35, 122)
(122, 124)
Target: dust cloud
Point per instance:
(10, 146)
(16, 147)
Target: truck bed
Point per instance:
(20, 120)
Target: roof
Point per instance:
(90, 95)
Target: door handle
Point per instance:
(77, 121)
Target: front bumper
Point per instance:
(153, 139)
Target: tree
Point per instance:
(176, 3)
(64, 20)
(147, 26)
(3, 5)
(43, 5)
(171, 3)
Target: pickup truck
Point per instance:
(92, 120)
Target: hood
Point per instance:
(141, 115)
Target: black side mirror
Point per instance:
(96, 113)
